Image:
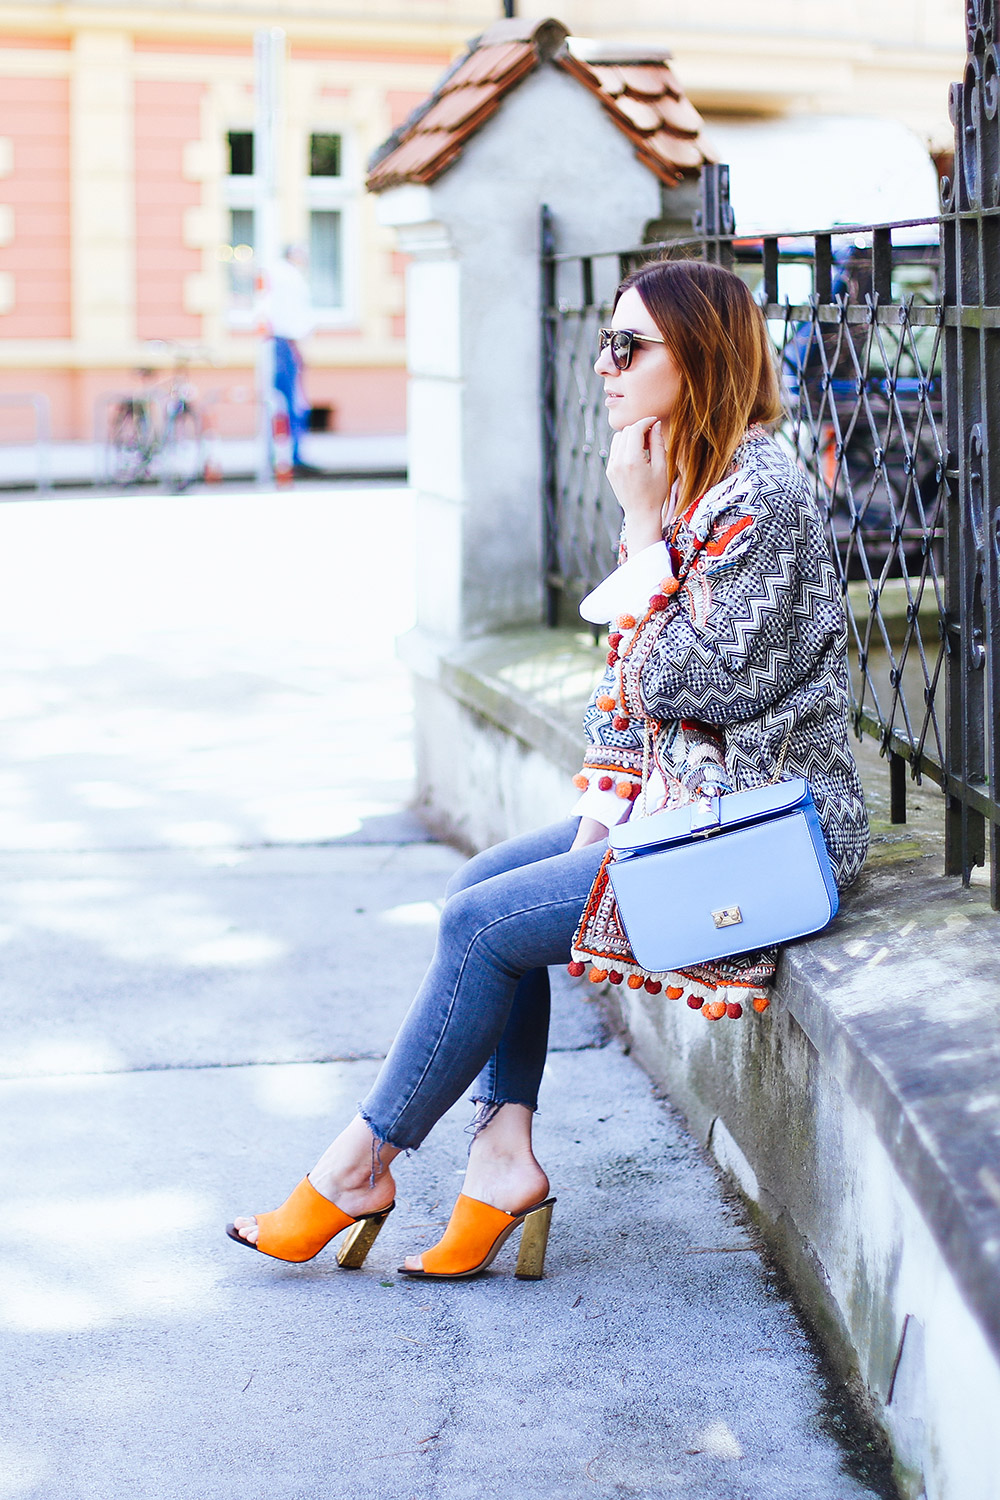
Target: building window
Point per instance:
(331, 193)
(240, 153)
(324, 156)
(326, 280)
(238, 255)
(240, 197)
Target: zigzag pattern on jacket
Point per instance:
(769, 660)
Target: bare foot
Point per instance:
(343, 1174)
(353, 1201)
(502, 1168)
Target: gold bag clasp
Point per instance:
(727, 916)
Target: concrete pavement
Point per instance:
(213, 909)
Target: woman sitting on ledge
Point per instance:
(728, 648)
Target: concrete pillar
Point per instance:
(474, 421)
(473, 338)
(103, 205)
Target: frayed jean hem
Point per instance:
(487, 1111)
(378, 1141)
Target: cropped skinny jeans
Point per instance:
(481, 1015)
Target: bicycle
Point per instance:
(157, 433)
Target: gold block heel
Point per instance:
(352, 1253)
(534, 1241)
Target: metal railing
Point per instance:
(888, 342)
(40, 439)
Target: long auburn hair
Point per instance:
(717, 335)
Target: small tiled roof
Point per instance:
(645, 100)
(636, 88)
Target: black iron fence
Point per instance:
(888, 341)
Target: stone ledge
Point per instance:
(862, 1117)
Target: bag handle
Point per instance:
(779, 764)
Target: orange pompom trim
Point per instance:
(581, 782)
(635, 981)
(760, 1004)
(714, 1009)
(597, 976)
(672, 993)
(669, 586)
(624, 790)
(605, 703)
(626, 622)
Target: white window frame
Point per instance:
(340, 194)
(242, 191)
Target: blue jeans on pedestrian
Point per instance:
(481, 1015)
(288, 384)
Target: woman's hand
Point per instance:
(589, 832)
(637, 472)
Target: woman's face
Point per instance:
(651, 385)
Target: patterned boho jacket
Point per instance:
(748, 654)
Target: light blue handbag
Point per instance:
(723, 875)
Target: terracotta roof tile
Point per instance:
(495, 64)
(639, 93)
(422, 158)
(671, 83)
(455, 107)
(467, 96)
(645, 81)
(669, 151)
(640, 112)
(680, 116)
(610, 79)
(646, 102)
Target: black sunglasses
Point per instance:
(621, 342)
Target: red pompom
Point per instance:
(612, 658)
(576, 969)
(694, 1001)
(614, 977)
(658, 602)
(653, 986)
(620, 721)
(606, 783)
(634, 790)
(734, 1010)
(615, 639)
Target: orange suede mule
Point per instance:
(307, 1221)
(476, 1232)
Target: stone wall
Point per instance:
(859, 1118)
